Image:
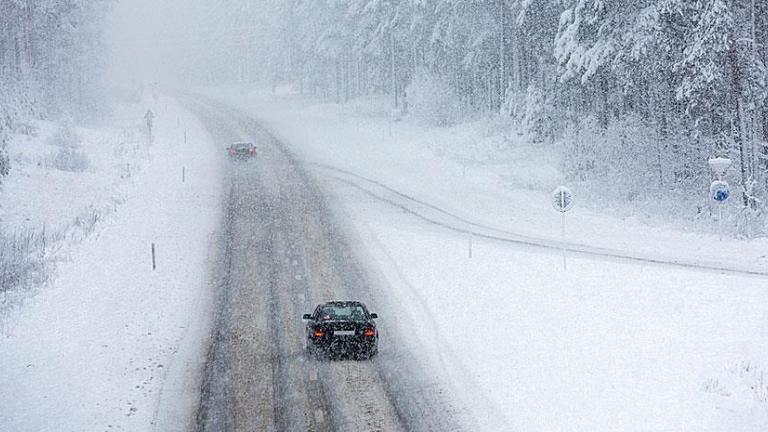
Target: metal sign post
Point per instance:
(562, 239)
(562, 201)
(719, 190)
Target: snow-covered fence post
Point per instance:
(562, 201)
(183, 174)
(471, 237)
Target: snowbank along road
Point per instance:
(281, 253)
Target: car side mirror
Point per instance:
(374, 316)
(306, 317)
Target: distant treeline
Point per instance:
(50, 53)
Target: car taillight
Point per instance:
(319, 333)
(369, 332)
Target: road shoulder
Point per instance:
(112, 344)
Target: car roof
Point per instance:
(342, 303)
(241, 144)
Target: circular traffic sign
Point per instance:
(562, 199)
(719, 191)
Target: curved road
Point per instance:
(434, 215)
(280, 253)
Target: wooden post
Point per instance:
(154, 262)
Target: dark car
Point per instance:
(342, 329)
(241, 150)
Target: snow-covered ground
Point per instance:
(110, 344)
(482, 171)
(63, 181)
(609, 345)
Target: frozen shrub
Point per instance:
(65, 136)
(5, 124)
(431, 100)
(70, 159)
(627, 167)
(532, 113)
(23, 259)
(5, 163)
(539, 115)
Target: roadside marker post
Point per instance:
(562, 201)
(183, 174)
(149, 117)
(154, 263)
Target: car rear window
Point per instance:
(339, 312)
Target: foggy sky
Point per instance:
(149, 39)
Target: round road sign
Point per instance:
(719, 191)
(562, 199)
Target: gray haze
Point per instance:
(175, 41)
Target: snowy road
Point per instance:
(281, 253)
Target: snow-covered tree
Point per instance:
(688, 76)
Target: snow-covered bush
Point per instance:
(66, 136)
(5, 125)
(532, 113)
(432, 101)
(23, 259)
(5, 161)
(539, 116)
(628, 167)
(69, 157)
(745, 383)
(27, 257)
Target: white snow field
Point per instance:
(110, 344)
(612, 344)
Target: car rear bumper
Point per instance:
(345, 345)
